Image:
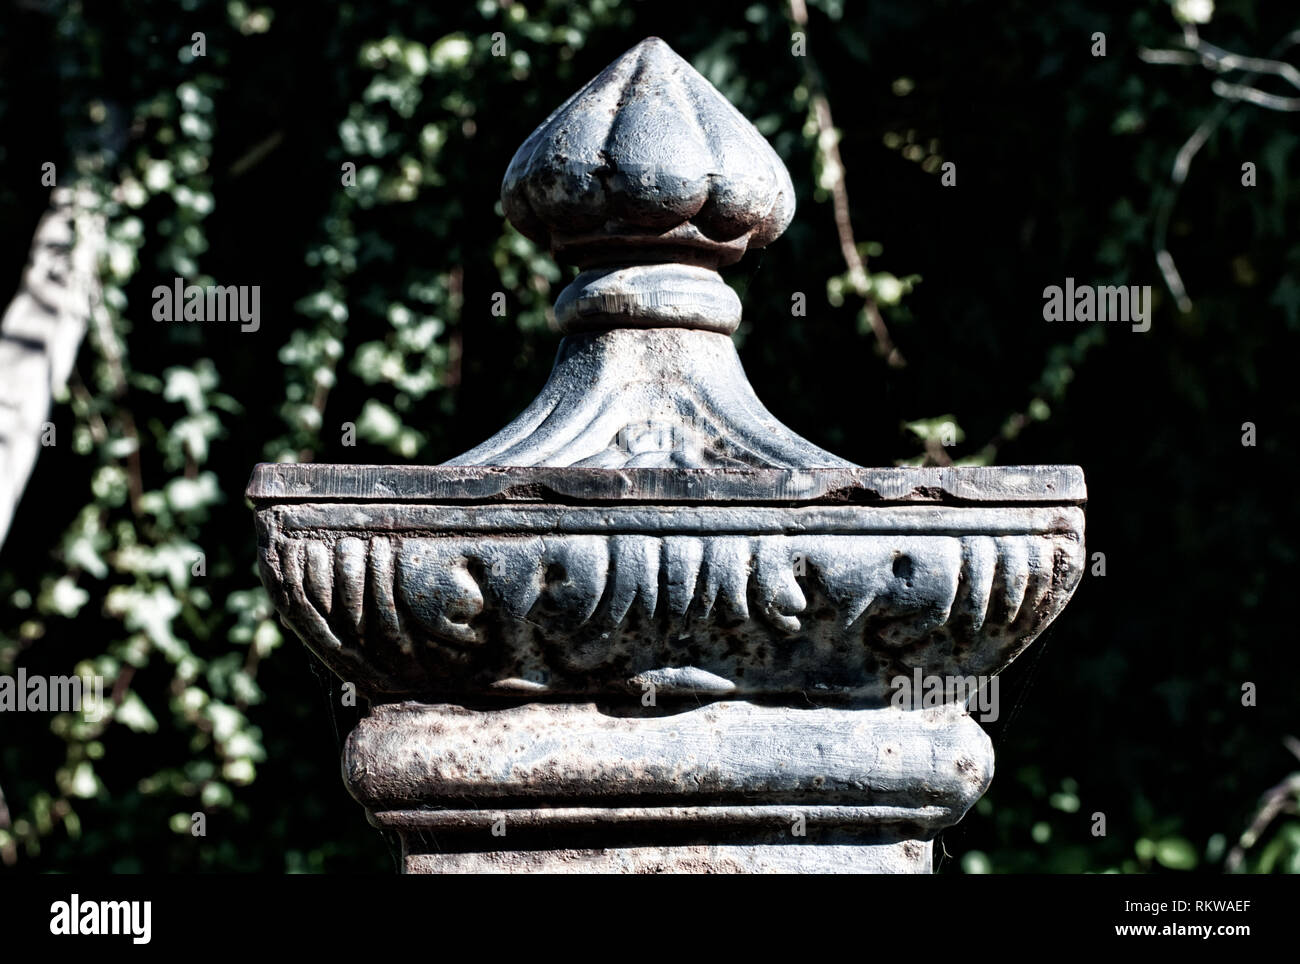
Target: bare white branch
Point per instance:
(1251, 95)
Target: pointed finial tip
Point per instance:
(648, 155)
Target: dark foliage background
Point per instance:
(225, 169)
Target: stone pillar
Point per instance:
(646, 627)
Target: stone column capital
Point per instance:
(646, 626)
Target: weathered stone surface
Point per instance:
(649, 180)
(658, 398)
(454, 485)
(907, 857)
(734, 786)
(650, 154)
(646, 627)
(423, 601)
(748, 763)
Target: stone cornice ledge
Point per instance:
(973, 485)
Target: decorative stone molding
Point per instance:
(559, 600)
(646, 626)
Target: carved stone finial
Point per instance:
(647, 627)
(649, 180)
(648, 156)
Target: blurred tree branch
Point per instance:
(1220, 61)
(828, 144)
